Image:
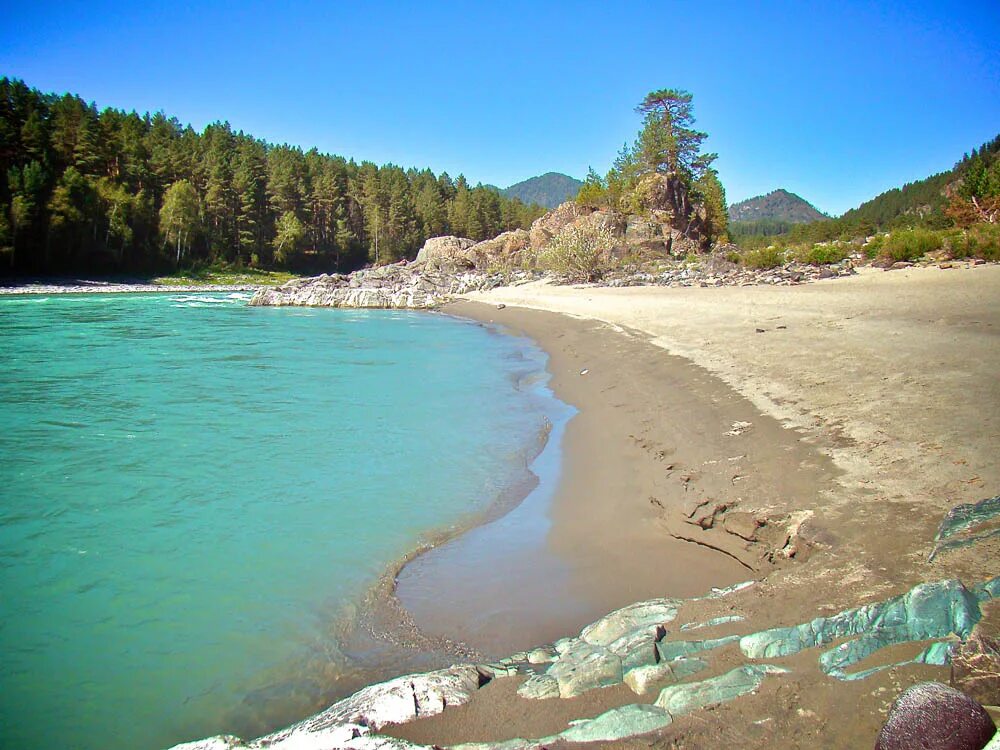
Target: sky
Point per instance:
(834, 101)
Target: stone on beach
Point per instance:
(678, 700)
(618, 723)
(584, 668)
(935, 717)
(641, 679)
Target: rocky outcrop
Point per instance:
(502, 251)
(416, 286)
(449, 249)
(544, 228)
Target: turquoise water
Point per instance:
(190, 489)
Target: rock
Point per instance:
(670, 650)
(616, 724)
(400, 285)
(644, 616)
(643, 234)
(221, 742)
(641, 678)
(743, 525)
(539, 687)
(724, 619)
(548, 226)
(449, 248)
(394, 702)
(502, 250)
(976, 664)
(678, 700)
(965, 518)
(541, 656)
(935, 717)
(926, 612)
(584, 668)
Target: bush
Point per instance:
(579, 253)
(821, 255)
(910, 244)
(978, 241)
(764, 258)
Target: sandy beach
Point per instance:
(808, 437)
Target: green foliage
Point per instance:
(764, 258)
(910, 244)
(289, 234)
(668, 142)
(977, 241)
(713, 196)
(179, 217)
(90, 190)
(579, 253)
(821, 255)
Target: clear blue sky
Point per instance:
(834, 101)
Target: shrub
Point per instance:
(764, 257)
(978, 241)
(821, 255)
(910, 244)
(579, 253)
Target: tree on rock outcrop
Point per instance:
(668, 143)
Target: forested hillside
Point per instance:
(549, 189)
(88, 191)
(774, 213)
(924, 203)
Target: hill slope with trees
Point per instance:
(549, 189)
(90, 191)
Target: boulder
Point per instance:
(449, 248)
(641, 679)
(936, 717)
(539, 687)
(646, 235)
(584, 668)
(544, 228)
(501, 250)
(645, 617)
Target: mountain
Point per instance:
(549, 189)
(778, 205)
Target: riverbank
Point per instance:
(891, 377)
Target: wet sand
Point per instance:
(847, 416)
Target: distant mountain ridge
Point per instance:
(549, 189)
(778, 205)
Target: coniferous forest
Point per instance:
(114, 192)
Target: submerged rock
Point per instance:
(935, 717)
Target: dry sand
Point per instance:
(861, 410)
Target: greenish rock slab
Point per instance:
(638, 650)
(539, 687)
(617, 724)
(988, 589)
(993, 744)
(641, 679)
(678, 700)
(713, 622)
(541, 656)
(584, 668)
(962, 518)
(670, 650)
(718, 593)
(645, 616)
(926, 612)
(515, 744)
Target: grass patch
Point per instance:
(224, 277)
